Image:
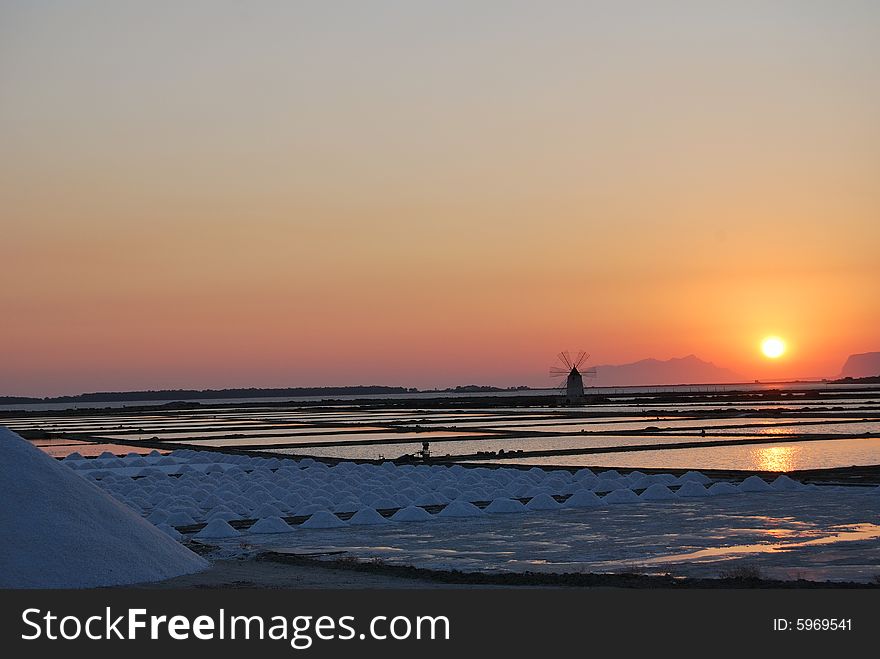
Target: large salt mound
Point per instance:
(583, 499)
(322, 519)
(367, 516)
(179, 518)
(694, 477)
(720, 489)
(225, 515)
(270, 525)
(503, 505)
(460, 509)
(621, 496)
(641, 483)
(431, 499)
(411, 514)
(785, 484)
(217, 528)
(58, 530)
(170, 531)
(754, 484)
(692, 489)
(609, 484)
(543, 502)
(657, 492)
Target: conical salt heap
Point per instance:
(58, 530)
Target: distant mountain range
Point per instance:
(682, 370)
(863, 365)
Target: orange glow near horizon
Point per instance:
(248, 208)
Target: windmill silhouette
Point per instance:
(574, 375)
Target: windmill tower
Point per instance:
(574, 376)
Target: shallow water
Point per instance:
(788, 456)
(391, 433)
(253, 433)
(376, 437)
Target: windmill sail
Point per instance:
(574, 376)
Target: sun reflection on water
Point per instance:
(776, 458)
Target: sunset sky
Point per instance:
(225, 194)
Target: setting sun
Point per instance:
(773, 347)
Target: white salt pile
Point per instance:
(754, 484)
(694, 477)
(622, 495)
(657, 492)
(720, 489)
(785, 484)
(225, 515)
(431, 499)
(194, 487)
(270, 525)
(411, 514)
(59, 531)
(503, 505)
(180, 518)
(322, 519)
(217, 528)
(609, 483)
(642, 483)
(349, 506)
(368, 517)
(170, 531)
(543, 502)
(460, 509)
(692, 489)
(634, 477)
(583, 499)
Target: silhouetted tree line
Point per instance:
(199, 394)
